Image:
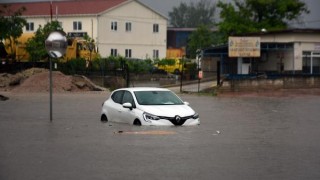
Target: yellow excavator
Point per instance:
(176, 55)
(77, 48)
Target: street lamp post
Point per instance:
(199, 56)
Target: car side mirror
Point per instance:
(127, 105)
(186, 103)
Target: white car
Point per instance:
(148, 106)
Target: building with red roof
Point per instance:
(119, 27)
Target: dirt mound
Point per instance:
(8, 81)
(37, 80)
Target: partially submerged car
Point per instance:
(148, 106)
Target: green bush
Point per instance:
(168, 62)
(73, 66)
(140, 66)
(111, 63)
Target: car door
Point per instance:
(115, 106)
(127, 115)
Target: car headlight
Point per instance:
(148, 117)
(196, 116)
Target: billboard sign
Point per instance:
(244, 46)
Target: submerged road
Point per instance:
(239, 138)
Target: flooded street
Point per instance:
(239, 138)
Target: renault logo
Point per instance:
(177, 118)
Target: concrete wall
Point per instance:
(270, 84)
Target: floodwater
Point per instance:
(239, 138)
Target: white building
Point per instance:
(292, 51)
(127, 28)
(296, 50)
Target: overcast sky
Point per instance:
(311, 20)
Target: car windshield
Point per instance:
(157, 98)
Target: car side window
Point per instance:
(117, 97)
(127, 98)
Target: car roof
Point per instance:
(143, 89)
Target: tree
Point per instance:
(35, 46)
(245, 16)
(11, 25)
(193, 15)
(200, 39)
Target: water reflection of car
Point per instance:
(148, 106)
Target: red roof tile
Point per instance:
(71, 7)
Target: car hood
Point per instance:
(168, 110)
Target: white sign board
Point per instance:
(244, 46)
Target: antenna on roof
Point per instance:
(51, 10)
(56, 13)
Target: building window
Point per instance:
(30, 26)
(128, 26)
(128, 53)
(311, 62)
(77, 25)
(155, 54)
(114, 26)
(114, 52)
(155, 28)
